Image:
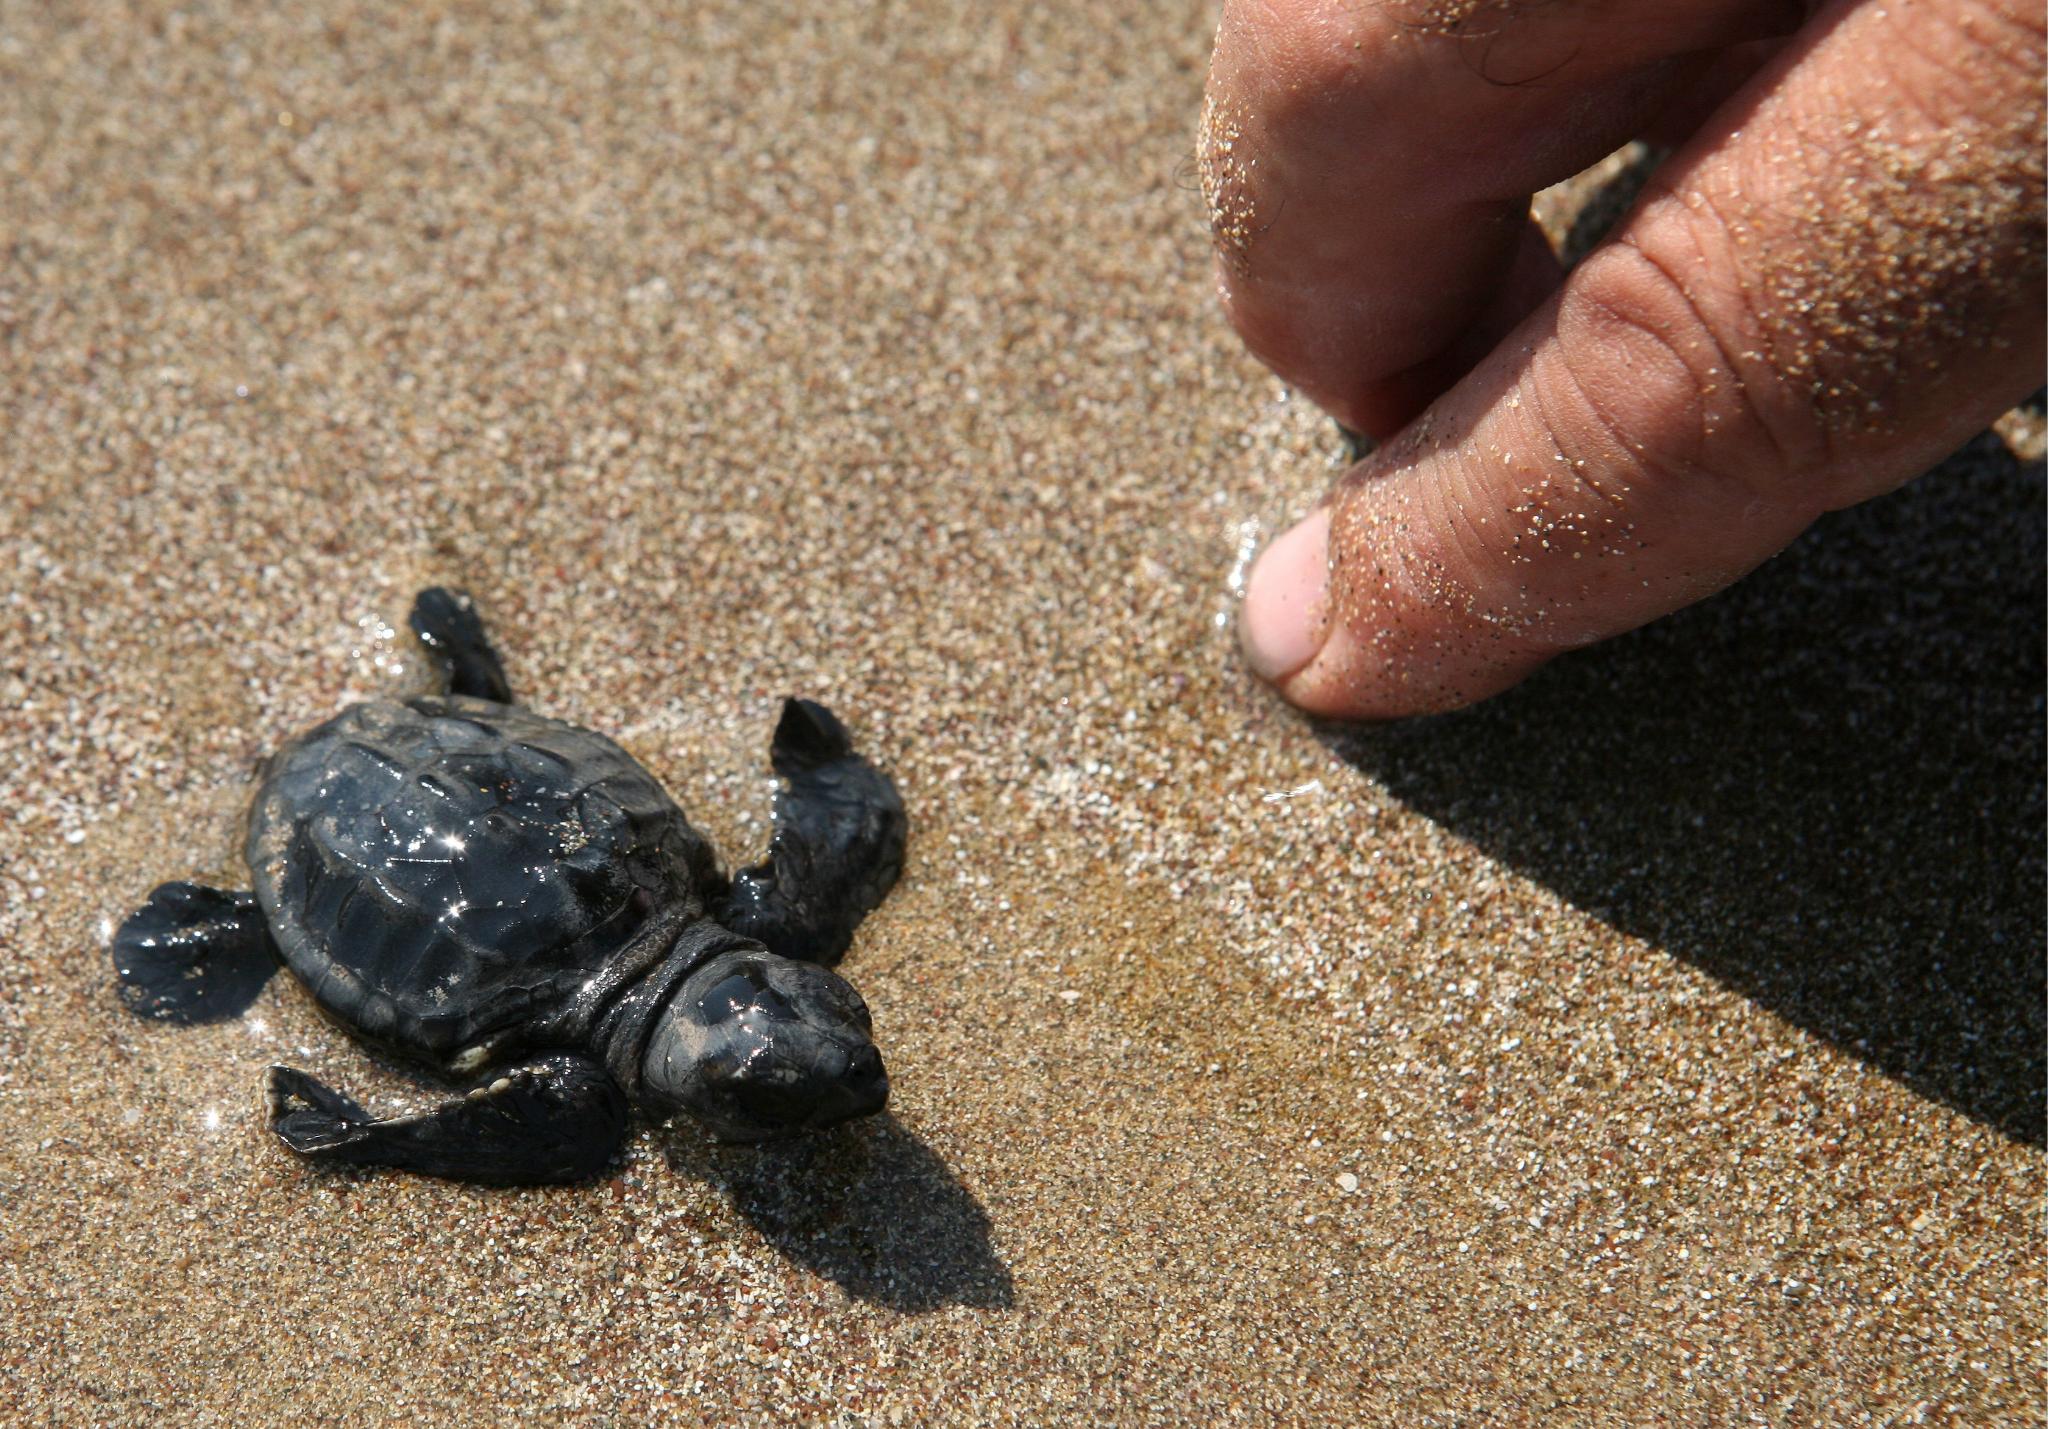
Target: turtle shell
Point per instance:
(446, 874)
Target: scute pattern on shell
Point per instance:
(447, 872)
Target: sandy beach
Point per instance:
(1662, 1043)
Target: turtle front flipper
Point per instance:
(447, 624)
(552, 1119)
(838, 845)
(193, 954)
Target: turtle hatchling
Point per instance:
(514, 901)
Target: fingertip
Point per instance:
(1338, 629)
(1286, 600)
(1395, 677)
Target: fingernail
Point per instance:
(1284, 617)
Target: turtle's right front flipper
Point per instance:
(193, 954)
(838, 845)
(553, 1119)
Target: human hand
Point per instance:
(1834, 281)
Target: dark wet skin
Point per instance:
(488, 891)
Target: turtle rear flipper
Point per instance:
(193, 954)
(837, 849)
(447, 624)
(553, 1119)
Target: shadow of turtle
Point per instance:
(868, 1206)
(1824, 786)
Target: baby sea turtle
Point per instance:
(494, 893)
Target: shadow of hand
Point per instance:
(1824, 786)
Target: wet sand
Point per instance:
(1660, 1044)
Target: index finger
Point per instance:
(1368, 169)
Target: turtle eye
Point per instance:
(739, 992)
(728, 997)
(770, 1003)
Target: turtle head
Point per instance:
(758, 1046)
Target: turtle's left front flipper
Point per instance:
(447, 624)
(838, 845)
(553, 1119)
(193, 954)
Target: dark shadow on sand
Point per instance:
(1824, 787)
(868, 1206)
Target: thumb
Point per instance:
(1825, 293)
